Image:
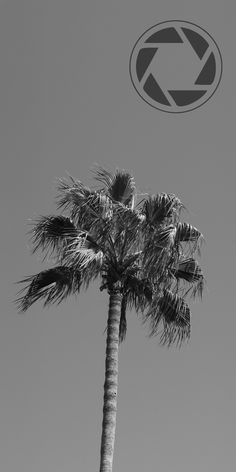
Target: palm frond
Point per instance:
(155, 266)
(86, 206)
(174, 313)
(188, 270)
(52, 232)
(174, 335)
(197, 290)
(128, 221)
(72, 192)
(157, 251)
(129, 260)
(174, 309)
(176, 319)
(128, 242)
(187, 232)
(52, 285)
(82, 251)
(139, 292)
(166, 236)
(159, 207)
(103, 176)
(120, 187)
(86, 257)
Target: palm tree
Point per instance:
(143, 255)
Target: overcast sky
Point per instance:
(66, 102)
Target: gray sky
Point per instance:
(66, 102)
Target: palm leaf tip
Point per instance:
(52, 285)
(199, 287)
(103, 176)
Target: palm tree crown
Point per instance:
(140, 248)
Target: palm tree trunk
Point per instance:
(111, 382)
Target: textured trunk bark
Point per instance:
(111, 383)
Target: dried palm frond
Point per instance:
(53, 285)
(123, 320)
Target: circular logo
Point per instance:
(175, 66)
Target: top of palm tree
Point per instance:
(142, 249)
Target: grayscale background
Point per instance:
(66, 102)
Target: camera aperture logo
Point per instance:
(175, 66)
